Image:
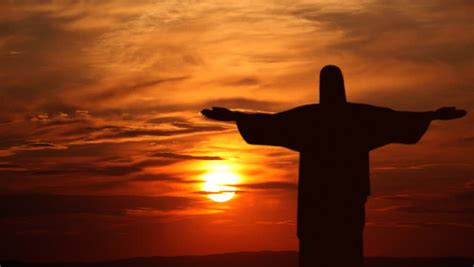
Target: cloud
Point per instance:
(264, 186)
(391, 30)
(157, 177)
(30, 146)
(165, 119)
(127, 180)
(244, 103)
(466, 140)
(286, 222)
(108, 102)
(28, 76)
(123, 132)
(420, 225)
(41, 145)
(182, 156)
(64, 130)
(125, 90)
(42, 204)
(270, 186)
(455, 202)
(8, 165)
(246, 81)
(207, 193)
(105, 173)
(60, 118)
(437, 210)
(100, 170)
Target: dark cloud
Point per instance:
(437, 210)
(44, 204)
(120, 170)
(96, 151)
(270, 186)
(138, 178)
(39, 145)
(466, 140)
(171, 119)
(133, 88)
(246, 81)
(383, 23)
(408, 224)
(86, 130)
(63, 131)
(245, 103)
(285, 222)
(39, 69)
(98, 170)
(156, 177)
(182, 156)
(458, 202)
(101, 186)
(8, 165)
(207, 193)
(269, 58)
(83, 81)
(244, 188)
(62, 118)
(152, 107)
(132, 133)
(91, 171)
(130, 111)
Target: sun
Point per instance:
(219, 183)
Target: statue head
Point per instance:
(331, 86)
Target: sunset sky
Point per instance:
(103, 152)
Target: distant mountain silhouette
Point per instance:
(247, 259)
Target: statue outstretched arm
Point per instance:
(223, 114)
(406, 127)
(448, 113)
(274, 129)
(220, 114)
(444, 113)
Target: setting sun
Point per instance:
(219, 181)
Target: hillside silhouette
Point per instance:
(247, 259)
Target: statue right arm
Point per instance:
(388, 126)
(447, 113)
(220, 114)
(286, 129)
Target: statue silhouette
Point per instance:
(334, 139)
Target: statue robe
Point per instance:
(334, 145)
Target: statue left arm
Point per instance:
(406, 127)
(447, 113)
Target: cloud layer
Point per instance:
(100, 130)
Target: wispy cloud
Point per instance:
(100, 104)
(183, 157)
(41, 204)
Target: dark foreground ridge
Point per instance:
(247, 259)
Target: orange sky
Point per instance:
(103, 152)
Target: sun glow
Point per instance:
(219, 182)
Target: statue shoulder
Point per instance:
(301, 110)
(368, 108)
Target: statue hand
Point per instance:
(449, 113)
(220, 114)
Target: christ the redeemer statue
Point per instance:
(334, 139)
